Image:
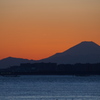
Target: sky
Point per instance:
(37, 29)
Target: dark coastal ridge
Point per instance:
(53, 69)
(82, 59)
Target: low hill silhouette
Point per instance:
(11, 61)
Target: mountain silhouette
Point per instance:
(11, 61)
(84, 52)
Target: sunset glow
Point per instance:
(36, 29)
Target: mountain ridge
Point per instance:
(84, 52)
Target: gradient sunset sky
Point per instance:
(36, 29)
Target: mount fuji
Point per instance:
(84, 52)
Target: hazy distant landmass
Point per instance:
(11, 61)
(84, 52)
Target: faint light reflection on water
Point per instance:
(50, 88)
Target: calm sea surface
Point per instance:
(50, 88)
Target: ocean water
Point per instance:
(54, 87)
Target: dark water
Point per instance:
(50, 88)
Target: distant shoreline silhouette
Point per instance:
(53, 69)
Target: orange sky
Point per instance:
(36, 29)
